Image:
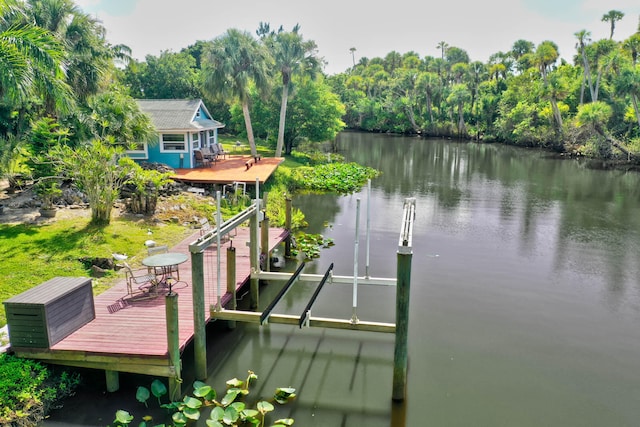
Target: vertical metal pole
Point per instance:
(218, 254)
(405, 254)
(366, 270)
(258, 213)
(231, 280)
(354, 315)
(199, 319)
(173, 341)
(287, 226)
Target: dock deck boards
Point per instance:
(135, 332)
(231, 169)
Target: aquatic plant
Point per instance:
(231, 410)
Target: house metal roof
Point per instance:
(178, 114)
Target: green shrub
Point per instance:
(28, 390)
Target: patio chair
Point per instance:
(221, 151)
(200, 159)
(209, 154)
(162, 249)
(139, 283)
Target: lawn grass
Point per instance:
(31, 254)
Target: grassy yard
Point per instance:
(31, 254)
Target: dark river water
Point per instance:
(525, 297)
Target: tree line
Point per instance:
(526, 96)
(63, 84)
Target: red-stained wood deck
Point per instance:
(130, 335)
(231, 169)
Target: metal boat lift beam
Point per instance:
(271, 275)
(306, 313)
(321, 322)
(267, 312)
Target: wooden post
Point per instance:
(287, 226)
(402, 327)
(403, 287)
(199, 318)
(231, 280)
(253, 260)
(113, 381)
(264, 242)
(173, 342)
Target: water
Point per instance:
(525, 296)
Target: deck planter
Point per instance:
(42, 316)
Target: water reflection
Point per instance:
(525, 295)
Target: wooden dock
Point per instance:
(235, 168)
(129, 335)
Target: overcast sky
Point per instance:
(481, 27)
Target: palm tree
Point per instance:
(31, 59)
(628, 81)
(292, 55)
(612, 16)
(545, 56)
(443, 46)
(583, 40)
(88, 55)
(233, 63)
(353, 55)
(458, 96)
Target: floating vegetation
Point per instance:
(310, 245)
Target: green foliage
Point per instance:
(99, 170)
(168, 76)
(310, 245)
(13, 166)
(342, 178)
(229, 411)
(29, 390)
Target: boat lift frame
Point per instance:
(255, 216)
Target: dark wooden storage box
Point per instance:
(44, 315)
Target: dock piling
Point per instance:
(173, 341)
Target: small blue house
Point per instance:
(183, 125)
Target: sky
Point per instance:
(480, 27)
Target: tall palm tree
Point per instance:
(612, 16)
(88, 54)
(583, 40)
(545, 56)
(292, 55)
(233, 63)
(443, 46)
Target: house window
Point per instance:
(212, 137)
(195, 138)
(137, 150)
(173, 142)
